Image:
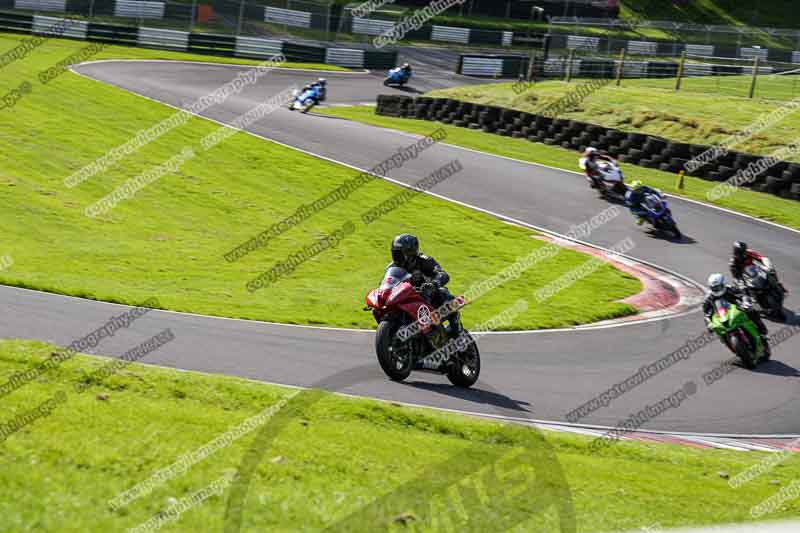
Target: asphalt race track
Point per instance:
(532, 375)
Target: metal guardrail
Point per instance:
(450, 35)
(344, 57)
(254, 47)
(579, 42)
(700, 49)
(207, 43)
(482, 66)
(754, 52)
(644, 48)
(287, 17)
(161, 38)
(62, 27)
(41, 5)
(139, 9)
(365, 26)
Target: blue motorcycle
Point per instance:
(305, 100)
(656, 212)
(397, 76)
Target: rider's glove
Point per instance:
(428, 288)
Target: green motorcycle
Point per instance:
(738, 333)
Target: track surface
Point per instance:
(540, 375)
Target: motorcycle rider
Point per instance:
(427, 276)
(320, 85)
(406, 68)
(743, 257)
(718, 288)
(635, 196)
(592, 155)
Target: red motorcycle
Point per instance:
(410, 334)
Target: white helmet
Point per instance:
(716, 284)
(590, 151)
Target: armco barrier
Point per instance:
(16, 23)
(450, 35)
(41, 5)
(108, 33)
(301, 52)
(344, 57)
(364, 26)
(781, 179)
(139, 9)
(287, 17)
(511, 66)
(203, 43)
(161, 38)
(257, 48)
(75, 29)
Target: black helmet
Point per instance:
(739, 250)
(322, 82)
(404, 248)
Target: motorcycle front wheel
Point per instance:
(743, 351)
(464, 371)
(393, 354)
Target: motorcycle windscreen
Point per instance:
(654, 204)
(393, 277)
(723, 307)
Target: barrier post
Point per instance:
(679, 182)
(755, 77)
(680, 71)
(532, 68)
(622, 56)
(241, 19)
(568, 73)
(194, 14)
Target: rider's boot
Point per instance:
(454, 325)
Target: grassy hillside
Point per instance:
(775, 13)
(170, 238)
(705, 111)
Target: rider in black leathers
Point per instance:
(718, 288)
(427, 276)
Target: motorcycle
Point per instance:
(611, 182)
(659, 215)
(738, 332)
(410, 335)
(305, 100)
(397, 76)
(764, 290)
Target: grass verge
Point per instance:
(169, 239)
(360, 465)
(760, 205)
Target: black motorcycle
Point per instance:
(765, 290)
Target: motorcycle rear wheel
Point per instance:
(390, 351)
(465, 371)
